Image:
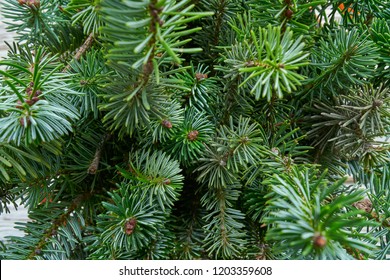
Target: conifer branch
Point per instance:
(205, 129)
(57, 223)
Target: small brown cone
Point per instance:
(166, 123)
(319, 241)
(192, 135)
(130, 226)
(364, 204)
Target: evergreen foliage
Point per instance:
(186, 129)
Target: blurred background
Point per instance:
(7, 220)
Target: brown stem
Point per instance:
(60, 221)
(85, 46)
(219, 18)
(93, 167)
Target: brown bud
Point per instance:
(22, 2)
(29, 90)
(35, 99)
(250, 63)
(288, 13)
(154, 12)
(200, 76)
(377, 103)
(19, 104)
(192, 135)
(30, 102)
(364, 204)
(166, 123)
(22, 122)
(35, 3)
(167, 181)
(130, 226)
(319, 241)
(38, 93)
(244, 140)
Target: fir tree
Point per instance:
(192, 129)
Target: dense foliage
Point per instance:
(194, 129)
